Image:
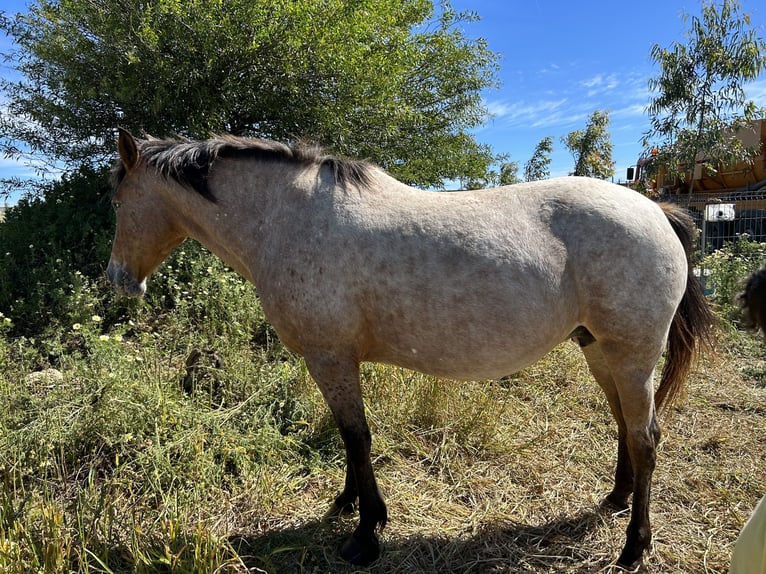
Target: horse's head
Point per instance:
(146, 231)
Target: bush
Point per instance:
(726, 270)
(53, 250)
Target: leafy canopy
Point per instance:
(502, 172)
(699, 100)
(393, 81)
(591, 148)
(538, 166)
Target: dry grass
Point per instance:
(524, 496)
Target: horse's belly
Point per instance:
(462, 358)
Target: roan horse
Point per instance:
(352, 265)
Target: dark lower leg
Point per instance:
(337, 376)
(345, 502)
(623, 477)
(639, 533)
(363, 547)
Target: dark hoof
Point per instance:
(629, 562)
(336, 511)
(360, 554)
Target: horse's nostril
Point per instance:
(124, 281)
(110, 273)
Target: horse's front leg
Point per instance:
(337, 377)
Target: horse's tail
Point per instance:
(694, 323)
(753, 301)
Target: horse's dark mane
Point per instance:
(190, 162)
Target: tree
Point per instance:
(393, 81)
(591, 148)
(538, 166)
(508, 174)
(699, 102)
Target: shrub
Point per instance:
(727, 268)
(53, 249)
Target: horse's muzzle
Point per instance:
(124, 281)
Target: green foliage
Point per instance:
(396, 82)
(100, 466)
(726, 270)
(508, 174)
(53, 249)
(194, 291)
(538, 166)
(699, 99)
(592, 148)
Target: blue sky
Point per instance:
(563, 60)
(560, 61)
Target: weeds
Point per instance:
(728, 267)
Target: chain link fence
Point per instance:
(722, 218)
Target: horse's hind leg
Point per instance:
(338, 379)
(627, 381)
(623, 474)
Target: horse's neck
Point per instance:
(224, 227)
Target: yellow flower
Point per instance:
(76, 327)
(117, 338)
(96, 319)
(103, 338)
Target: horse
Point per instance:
(352, 265)
(752, 300)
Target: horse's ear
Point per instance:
(126, 146)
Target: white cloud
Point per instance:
(600, 83)
(629, 111)
(596, 80)
(551, 68)
(524, 112)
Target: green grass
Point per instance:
(137, 462)
(119, 467)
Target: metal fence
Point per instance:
(723, 218)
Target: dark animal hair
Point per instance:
(753, 301)
(694, 325)
(190, 162)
